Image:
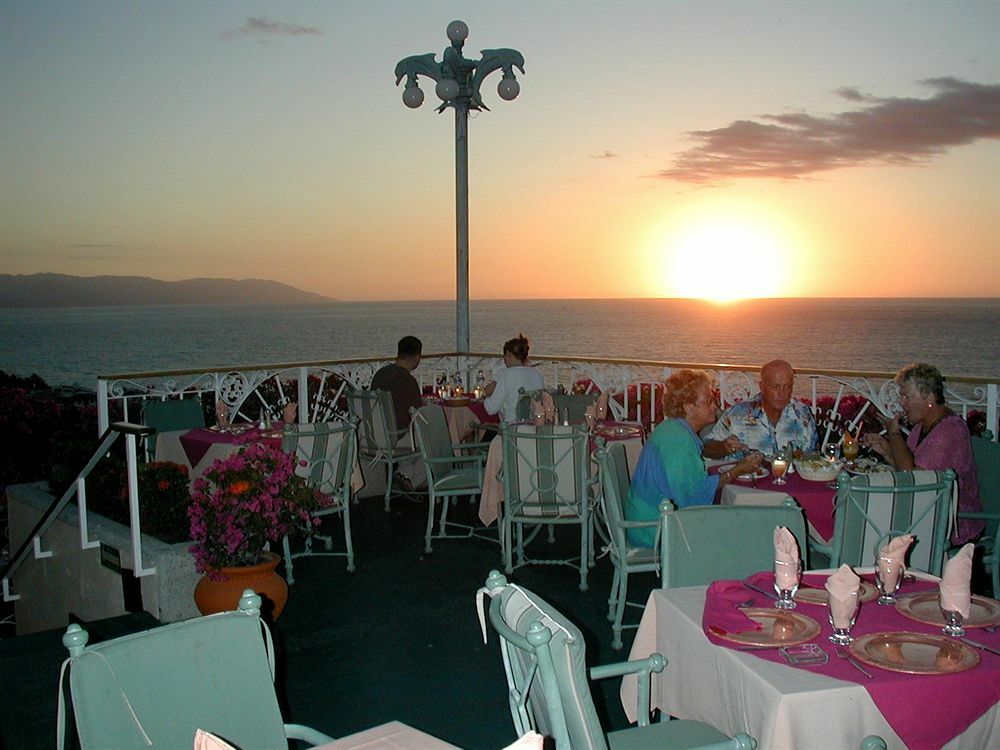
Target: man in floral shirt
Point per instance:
(768, 421)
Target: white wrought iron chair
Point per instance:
(547, 482)
(379, 440)
(451, 473)
(325, 455)
(548, 682)
(157, 687)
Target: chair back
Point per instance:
(155, 688)
(987, 456)
(171, 414)
(575, 404)
(544, 657)
(703, 543)
(874, 508)
(376, 418)
(433, 439)
(324, 453)
(546, 470)
(612, 468)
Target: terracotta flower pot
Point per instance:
(221, 596)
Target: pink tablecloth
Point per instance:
(815, 498)
(461, 419)
(926, 711)
(196, 442)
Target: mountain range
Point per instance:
(60, 290)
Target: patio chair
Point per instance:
(547, 482)
(987, 455)
(378, 437)
(627, 558)
(451, 473)
(548, 682)
(704, 543)
(157, 687)
(872, 509)
(325, 454)
(169, 415)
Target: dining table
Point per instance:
(817, 499)
(955, 704)
(198, 448)
(464, 417)
(491, 500)
(394, 735)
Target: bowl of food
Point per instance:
(817, 469)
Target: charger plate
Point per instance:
(914, 653)
(924, 607)
(819, 596)
(778, 628)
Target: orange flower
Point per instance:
(239, 487)
(163, 485)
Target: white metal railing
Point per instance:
(247, 390)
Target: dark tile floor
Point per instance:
(396, 639)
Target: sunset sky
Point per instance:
(657, 149)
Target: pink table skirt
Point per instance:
(926, 711)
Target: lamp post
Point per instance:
(458, 81)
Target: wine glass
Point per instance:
(888, 576)
(830, 451)
(787, 576)
(779, 465)
(842, 615)
(952, 623)
(850, 448)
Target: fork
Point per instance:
(843, 653)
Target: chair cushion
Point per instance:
(666, 735)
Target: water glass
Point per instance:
(888, 576)
(952, 623)
(842, 616)
(787, 576)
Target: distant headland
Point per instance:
(60, 290)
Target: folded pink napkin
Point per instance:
(602, 407)
(956, 596)
(530, 741)
(843, 587)
(786, 559)
(550, 407)
(537, 413)
(892, 560)
(288, 412)
(222, 413)
(207, 741)
(722, 613)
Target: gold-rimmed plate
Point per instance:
(914, 653)
(819, 596)
(924, 607)
(863, 466)
(778, 627)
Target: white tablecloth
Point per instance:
(783, 707)
(392, 736)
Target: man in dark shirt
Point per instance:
(396, 378)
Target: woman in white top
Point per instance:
(503, 393)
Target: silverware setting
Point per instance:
(980, 646)
(843, 653)
(758, 589)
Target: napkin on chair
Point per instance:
(894, 554)
(843, 587)
(786, 559)
(530, 741)
(550, 407)
(207, 741)
(956, 595)
(722, 612)
(288, 412)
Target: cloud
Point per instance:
(264, 27)
(885, 131)
(606, 155)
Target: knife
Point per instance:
(759, 590)
(981, 646)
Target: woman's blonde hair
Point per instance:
(682, 388)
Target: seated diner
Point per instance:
(503, 393)
(670, 466)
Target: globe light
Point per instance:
(413, 97)
(446, 89)
(457, 31)
(508, 89)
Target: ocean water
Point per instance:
(74, 345)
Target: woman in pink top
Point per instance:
(939, 439)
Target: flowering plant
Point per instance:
(245, 501)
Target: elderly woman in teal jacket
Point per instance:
(670, 466)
